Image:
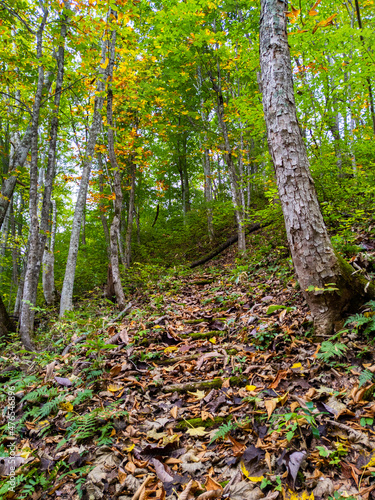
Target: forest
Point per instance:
(187, 251)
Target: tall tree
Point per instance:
(326, 280)
(67, 289)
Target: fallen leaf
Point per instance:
(270, 405)
(197, 431)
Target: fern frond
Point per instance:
(364, 377)
(223, 430)
(329, 350)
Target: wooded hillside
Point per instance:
(139, 141)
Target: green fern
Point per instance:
(223, 430)
(364, 377)
(329, 350)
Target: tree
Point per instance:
(67, 290)
(326, 280)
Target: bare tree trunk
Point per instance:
(27, 313)
(129, 229)
(18, 159)
(115, 226)
(101, 205)
(49, 290)
(38, 234)
(67, 289)
(227, 153)
(315, 261)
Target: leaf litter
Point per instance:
(218, 391)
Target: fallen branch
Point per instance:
(230, 241)
(206, 384)
(122, 314)
(69, 346)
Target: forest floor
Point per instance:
(210, 387)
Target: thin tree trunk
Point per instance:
(68, 284)
(38, 234)
(129, 229)
(316, 264)
(227, 153)
(115, 226)
(18, 159)
(27, 313)
(49, 290)
(101, 205)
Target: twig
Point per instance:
(69, 346)
(122, 314)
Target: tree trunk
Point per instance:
(237, 197)
(68, 284)
(314, 259)
(115, 226)
(49, 264)
(129, 229)
(6, 325)
(27, 313)
(102, 203)
(18, 160)
(38, 234)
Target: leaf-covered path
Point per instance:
(210, 388)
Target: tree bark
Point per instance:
(68, 284)
(49, 290)
(129, 228)
(27, 313)
(314, 258)
(115, 226)
(38, 233)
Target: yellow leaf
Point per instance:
(114, 387)
(290, 495)
(129, 448)
(213, 340)
(253, 479)
(197, 431)
(66, 406)
(250, 387)
(297, 365)
(170, 348)
(197, 394)
(105, 64)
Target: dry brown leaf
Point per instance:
(210, 494)
(185, 494)
(130, 467)
(115, 370)
(174, 412)
(121, 475)
(205, 415)
(226, 384)
(212, 485)
(294, 405)
(270, 405)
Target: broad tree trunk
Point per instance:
(115, 226)
(314, 259)
(70, 270)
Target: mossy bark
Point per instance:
(215, 383)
